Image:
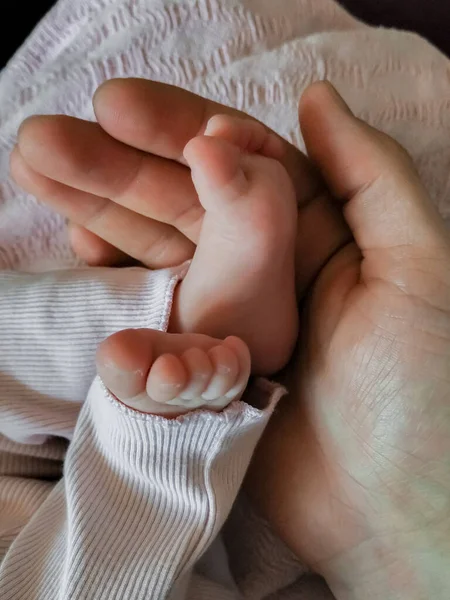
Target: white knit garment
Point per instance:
(142, 498)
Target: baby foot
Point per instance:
(241, 280)
(171, 374)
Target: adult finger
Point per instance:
(94, 251)
(383, 199)
(160, 119)
(81, 155)
(155, 244)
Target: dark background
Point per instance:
(430, 18)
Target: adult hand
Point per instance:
(123, 183)
(354, 469)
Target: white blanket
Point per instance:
(256, 55)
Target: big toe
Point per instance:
(124, 360)
(216, 168)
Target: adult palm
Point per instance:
(354, 469)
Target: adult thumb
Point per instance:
(384, 201)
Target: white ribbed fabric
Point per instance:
(141, 499)
(51, 326)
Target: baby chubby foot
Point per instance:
(171, 374)
(241, 280)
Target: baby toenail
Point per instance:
(114, 369)
(201, 376)
(164, 385)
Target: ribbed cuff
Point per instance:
(50, 328)
(162, 488)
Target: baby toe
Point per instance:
(200, 369)
(225, 371)
(247, 134)
(123, 362)
(167, 378)
(216, 170)
(242, 352)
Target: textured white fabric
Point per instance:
(257, 55)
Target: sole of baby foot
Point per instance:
(242, 278)
(171, 374)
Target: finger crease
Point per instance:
(89, 221)
(130, 181)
